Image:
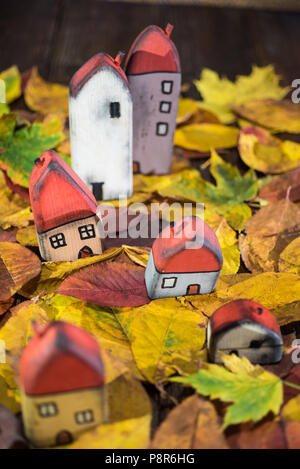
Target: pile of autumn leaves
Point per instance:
(255, 216)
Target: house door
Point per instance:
(193, 289)
(86, 251)
(136, 167)
(64, 437)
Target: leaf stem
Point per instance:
(292, 385)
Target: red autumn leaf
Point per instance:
(8, 235)
(277, 189)
(263, 435)
(115, 284)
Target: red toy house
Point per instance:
(247, 329)
(154, 76)
(64, 211)
(186, 259)
(62, 384)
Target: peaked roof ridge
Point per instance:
(63, 343)
(71, 201)
(49, 354)
(194, 229)
(91, 67)
(143, 40)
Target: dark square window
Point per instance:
(58, 241)
(165, 107)
(48, 409)
(83, 417)
(162, 129)
(87, 231)
(167, 86)
(115, 109)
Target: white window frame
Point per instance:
(87, 230)
(167, 86)
(166, 282)
(83, 417)
(47, 409)
(58, 241)
(166, 127)
(165, 107)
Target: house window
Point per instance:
(169, 282)
(165, 107)
(58, 241)
(87, 231)
(48, 409)
(85, 416)
(162, 129)
(167, 87)
(115, 109)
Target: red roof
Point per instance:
(61, 358)
(91, 67)
(57, 194)
(243, 311)
(170, 251)
(153, 51)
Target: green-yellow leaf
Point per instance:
(165, 335)
(253, 391)
(12, 80)
(226, 197)
(21, 148)
(220, 94)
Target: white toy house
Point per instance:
(101, 127)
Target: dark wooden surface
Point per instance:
(59, 35)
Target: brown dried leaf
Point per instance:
(268, 232)
(194, 424)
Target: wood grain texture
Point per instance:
(60, 35)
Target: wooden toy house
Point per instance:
(154, 76)
(100, 111)
(64, 211)
(247, 329)
(185, 259)
(62, 384)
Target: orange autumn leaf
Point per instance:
(18, 265)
